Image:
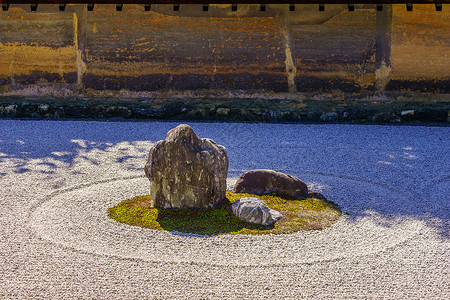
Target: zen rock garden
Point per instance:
(188, 175)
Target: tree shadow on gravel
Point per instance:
(55, 144)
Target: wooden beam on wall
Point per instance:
(383, 47)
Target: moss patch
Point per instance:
(298, 215)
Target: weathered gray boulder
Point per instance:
(254, 210)
(186, 171)
(270, 181)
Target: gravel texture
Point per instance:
(57, 180)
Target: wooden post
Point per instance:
(383, 47)
(79, 20)
(288, 44)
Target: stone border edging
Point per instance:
(230, 110)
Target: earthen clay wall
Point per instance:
(272, 51)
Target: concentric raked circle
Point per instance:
(77, 218)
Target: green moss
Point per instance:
(297, 215)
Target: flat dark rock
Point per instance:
(269, 181)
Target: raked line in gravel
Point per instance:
(76, 218)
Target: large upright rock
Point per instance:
(186, 171)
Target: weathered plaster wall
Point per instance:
(420, 48)
(338, 54)
(36, 47)
(276, 50)
(150, 51)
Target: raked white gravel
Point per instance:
(57, 180)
